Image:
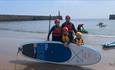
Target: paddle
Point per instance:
(49, 21)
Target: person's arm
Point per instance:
(63, 25)
(82, 42)
(82, 27)
(50, 32)
(74, 28)
(62, 31)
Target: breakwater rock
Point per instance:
(26, 17)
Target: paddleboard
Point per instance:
(109, 45)
(55, 52)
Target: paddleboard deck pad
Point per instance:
(55, 52)
(48, 52)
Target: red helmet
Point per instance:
(67, 17)
(57, 21)
(65, 29)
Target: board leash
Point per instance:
(19, 50)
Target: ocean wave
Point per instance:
(43, 32)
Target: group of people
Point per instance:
(65, 33)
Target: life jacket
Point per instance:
(65, 38)
(79, 41)
(69, 26)
(56, 31)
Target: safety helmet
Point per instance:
(81, 24)
(78, 34)
(67, 17)
(57, 21)
(65, 29)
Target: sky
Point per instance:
(75, 8)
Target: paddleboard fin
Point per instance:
(19, 50)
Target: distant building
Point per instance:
(112, 17)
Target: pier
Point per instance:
(27, 17)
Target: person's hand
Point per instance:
(47, 39)
(65, 45)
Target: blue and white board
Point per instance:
(109, 45)
(55, 52)
(83, 55)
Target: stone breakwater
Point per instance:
(26, 17)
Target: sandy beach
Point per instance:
(11, 40)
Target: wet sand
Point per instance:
(11, 40)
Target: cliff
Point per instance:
(26, 17)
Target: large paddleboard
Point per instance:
(55, 52)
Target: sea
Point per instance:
(43, 26)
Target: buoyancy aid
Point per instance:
(65, 38)
(79, 41)
(69, 26)
(56, 31)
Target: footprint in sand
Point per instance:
(112, 64)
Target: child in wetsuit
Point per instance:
(65, 36)
(79, 40)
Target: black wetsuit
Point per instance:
(56, 33)
(79, 28)
(71, 28)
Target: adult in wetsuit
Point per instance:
(56, 31)
(70, 26)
